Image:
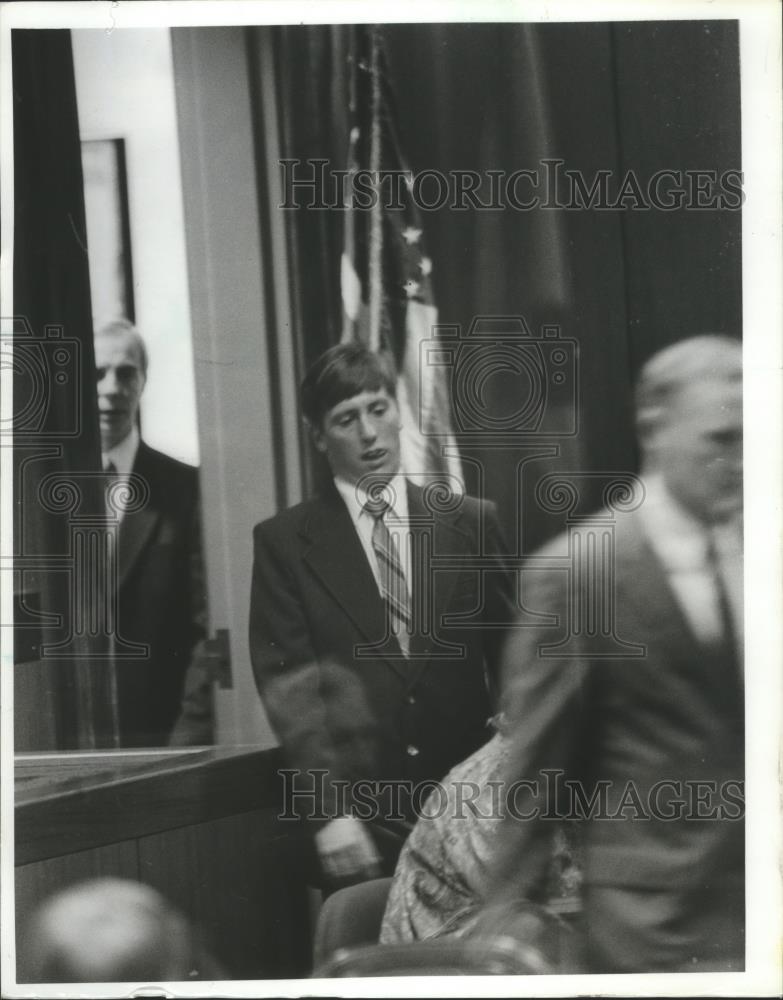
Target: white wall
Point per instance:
(230, 317)
(125, 89)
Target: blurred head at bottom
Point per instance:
(110, 930)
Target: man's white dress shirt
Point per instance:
(682, 545)
(395, 519)
(122, 456)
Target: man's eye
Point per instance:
(345, 421)
(726, 439)
(379, 409)
(100, 374)
(125, 373)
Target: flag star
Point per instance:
(425, 264)
(411, 288)
(411, 235)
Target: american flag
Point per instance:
(385, 271)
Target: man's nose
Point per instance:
(108, 385)
(367, 428)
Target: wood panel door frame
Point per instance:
(241, 319)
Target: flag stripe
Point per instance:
(386, 274)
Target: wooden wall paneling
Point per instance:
(236, 878)
(36, 693)
(229, 318)
(91, 800)
(36, 881)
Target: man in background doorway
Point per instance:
(160, 600)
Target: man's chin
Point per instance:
(373, 479)
(112, 434)
(726, 511)
(387, 466)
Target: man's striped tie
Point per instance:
(393, 586)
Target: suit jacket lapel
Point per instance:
(137, 528)
(434, 533)
(644, 583)
(336, 556)
(664, 625)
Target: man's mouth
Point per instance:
(111, 416)
(374, 455)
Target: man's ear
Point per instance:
(317, 435)
(648, 425)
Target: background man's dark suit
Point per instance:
(658, 893)
(315, 601)
(160, 601)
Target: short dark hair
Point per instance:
(342, 372)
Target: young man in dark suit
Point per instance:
(377, 614)
(636, 725)
(160, 598)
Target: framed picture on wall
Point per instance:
(108, 228)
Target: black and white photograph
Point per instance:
(391, 498)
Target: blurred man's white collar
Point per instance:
(680, 540)
(123, 455)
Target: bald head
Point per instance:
(108, 930)
(709, 357)
(689, 418)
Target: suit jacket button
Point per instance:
(411, 699)
(412, 751)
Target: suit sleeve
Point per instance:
(500, 605)
(543, 713)
(285, 665)
(195, 724)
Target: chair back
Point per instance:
(350, 917)
(501, 956)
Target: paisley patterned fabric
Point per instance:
(440, 877)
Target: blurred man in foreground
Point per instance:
(646, 746)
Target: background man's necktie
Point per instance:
(726, 608)
(109, 476)
(393, 587)
(732, 648)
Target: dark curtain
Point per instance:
(678, 106)
(620, 284)
(60, 696)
